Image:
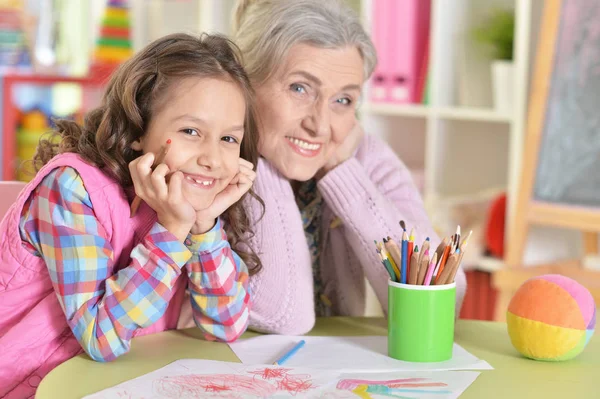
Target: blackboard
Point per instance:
(568, 169)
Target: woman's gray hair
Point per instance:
(265, 30)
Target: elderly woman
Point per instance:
(329, 190)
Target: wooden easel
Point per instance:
(529, 211)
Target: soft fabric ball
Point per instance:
(551, 317)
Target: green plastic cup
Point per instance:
(421, 322)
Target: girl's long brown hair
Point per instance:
(133, 94)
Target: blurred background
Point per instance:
(451, 95)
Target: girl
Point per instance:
(76, 271)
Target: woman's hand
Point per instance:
(173, 211)
(238, 186)
(344, 151)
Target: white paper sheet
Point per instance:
(344, 354)
(190, 378)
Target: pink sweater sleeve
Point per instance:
(371, 193)
(282, 292)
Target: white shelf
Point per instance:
(479, 196)
(472, 114)
(448, 113)
(489, 264)
(411, 110)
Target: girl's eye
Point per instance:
(191, 132)
(297, 88)
(230, 139)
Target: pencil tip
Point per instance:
(169, 141)
(427, 239)
(385, 239)
(416, 248)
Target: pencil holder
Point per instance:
(421, 322)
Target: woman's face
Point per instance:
(307, 108)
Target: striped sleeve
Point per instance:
(218, 285)
(102, 308)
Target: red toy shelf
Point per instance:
(97, 78)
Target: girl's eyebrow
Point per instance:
(200, 121)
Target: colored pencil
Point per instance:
(290, 353)
(394, 252)
(423, 266)
(429, 274)
(443, 261)
(404, 270)
(414, 269)
(448, 270)
(411, 243)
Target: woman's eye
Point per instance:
(191, 132)
(230, 139)
(344, 101)
(297, 88)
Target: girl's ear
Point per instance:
(136, 145)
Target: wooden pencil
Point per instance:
(423, 266)
(394, 251)
(440, 249)
(442, 278)
(443, 261)
(411, 243)
(414, 268)
(424, 248)
(137, 201)
(430, 268)
(462, 249)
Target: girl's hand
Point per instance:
(174, 212)
(344, 151)
(239, 185)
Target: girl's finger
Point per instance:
(235, 179)
(248, 172)
(139, 170)
(159, 181)
(245, 163)
(244, 184)
(175, 195)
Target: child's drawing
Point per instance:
(190, 378)
(211, 379)
(366, 389)
(446, 384)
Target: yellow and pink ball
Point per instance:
(551, 317)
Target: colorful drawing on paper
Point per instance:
(261, 383)
(194, 378)
(211, 379)
(367, 389)
(436, 385)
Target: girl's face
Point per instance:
(204, 119)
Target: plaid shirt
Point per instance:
(103, 310)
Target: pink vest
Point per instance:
(34, 335)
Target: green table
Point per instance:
(513, 377)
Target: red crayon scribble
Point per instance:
(229, 386)
(295, 384)
(270, 373)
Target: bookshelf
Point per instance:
(470, 148)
